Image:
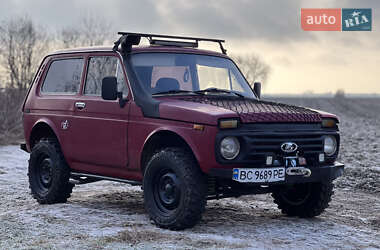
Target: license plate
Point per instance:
(258, 175)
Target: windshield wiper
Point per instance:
(216, 90)
(199, 92)
(173, 91)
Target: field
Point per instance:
(111, 215)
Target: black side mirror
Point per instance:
(257, 89)
(109, 88)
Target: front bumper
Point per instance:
(325, 173)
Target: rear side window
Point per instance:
(63, 76)
(100, 67)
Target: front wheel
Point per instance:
(174, 189)
(303, 200)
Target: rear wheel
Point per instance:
(303, 200)
(49, 173)
(174, 189)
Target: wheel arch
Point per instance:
(161, 139)
(42, 128)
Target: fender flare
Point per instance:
(47, 122)
(176, 132)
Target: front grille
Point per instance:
(258, 146)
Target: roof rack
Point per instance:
(128, 39)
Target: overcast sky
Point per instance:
(301, 61)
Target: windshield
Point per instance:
(172, 73)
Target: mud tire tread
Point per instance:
(61, 188)
(190, 210)
(315, 205)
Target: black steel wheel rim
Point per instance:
(44, 173)
(167, 190)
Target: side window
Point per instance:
(100, 67)
(63, 77)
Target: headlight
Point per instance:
(330, 145)
(229, 147)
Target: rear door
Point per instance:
(100, 127)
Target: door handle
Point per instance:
(80, 105)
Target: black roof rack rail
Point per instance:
(128, 39)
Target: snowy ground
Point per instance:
(111, 215)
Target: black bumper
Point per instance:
(326, 173)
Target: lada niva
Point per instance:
(182, 122)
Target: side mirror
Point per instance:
(257, 89)
(109, 88)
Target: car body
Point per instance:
(116, 138)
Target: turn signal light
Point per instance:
(198, 127)
(228, 124)
(328, 123)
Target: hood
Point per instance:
(208, 109)
(188, 111)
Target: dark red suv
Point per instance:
(182, 122)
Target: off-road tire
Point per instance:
(55, 188)
(316, 201)
(181, 170)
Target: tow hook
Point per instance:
(305, 172)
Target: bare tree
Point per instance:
(70, 37)
(253, 68)
(92, 30)
(20, 46)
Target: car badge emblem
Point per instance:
(65, 124)
(289, 147)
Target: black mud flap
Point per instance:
(23, 147)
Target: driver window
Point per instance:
(100, 67)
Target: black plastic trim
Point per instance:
(143, 99)
(107, 178)
(23, 147)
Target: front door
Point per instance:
(100, 127)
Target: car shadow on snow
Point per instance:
(218, 215)
(130, 202)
